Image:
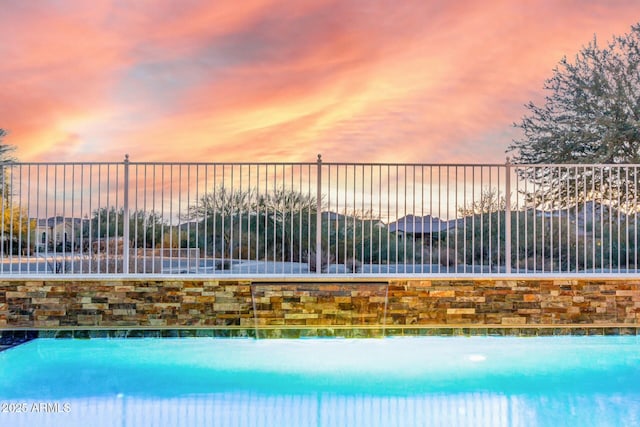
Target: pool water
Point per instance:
(479, 381)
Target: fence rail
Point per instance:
(317, 217)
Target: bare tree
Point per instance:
(591, 114)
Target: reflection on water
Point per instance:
(325, 409)
(495, 382)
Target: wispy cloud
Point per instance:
(271, 80)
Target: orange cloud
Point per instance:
(270, 80)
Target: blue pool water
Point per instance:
(483, 381)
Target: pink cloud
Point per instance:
(270, 80)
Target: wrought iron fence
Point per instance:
(317, 217)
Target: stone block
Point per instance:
(461, 311)
(34, 284)
(506, 283)
(166, 305)
(45, 301)
(228, 307)
(46, 323)
(627, 293)
(298, 316)
(15, 294)
(565, 283)
(224, 294)
(208, 293)
(50, 312)
(95, 306)
(529, 311)
(141, 289)
(476, 299)
(514, 320)
(95, 318)
(442, 293)
(123, 312)
(210, 283)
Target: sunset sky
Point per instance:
(270, 80)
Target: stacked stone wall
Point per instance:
(199, 303)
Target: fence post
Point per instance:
(507, 217)
(319, 216)
(125, 218)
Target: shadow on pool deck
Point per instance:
(10, 339)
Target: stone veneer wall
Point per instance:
(308, 303)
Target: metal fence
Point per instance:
(317, 217)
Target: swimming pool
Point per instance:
(448, 381)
